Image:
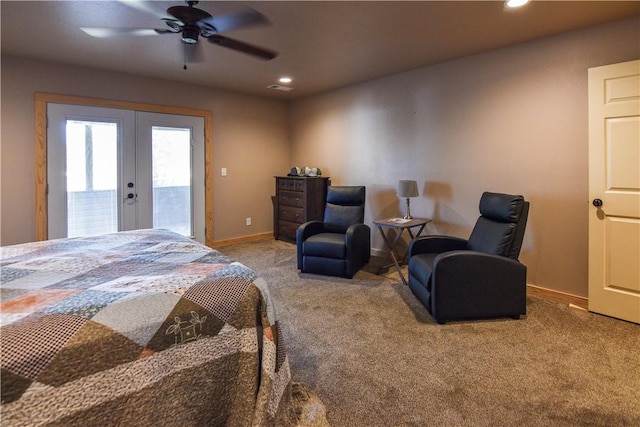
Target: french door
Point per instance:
(114, 169)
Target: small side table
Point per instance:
(400, 225)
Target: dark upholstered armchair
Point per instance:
(480, 277)
(340, 244)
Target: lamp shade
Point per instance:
(407, 188)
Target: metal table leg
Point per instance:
(391, 246)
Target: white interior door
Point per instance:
(111, 170)
(614, 187)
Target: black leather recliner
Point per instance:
(480, 277)
(340, 244)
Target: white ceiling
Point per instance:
(322, 45)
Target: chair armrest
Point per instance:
(308, 229)
(305, 231)
(468, 283)
(358, 235)
(357, 240)
(435, 245)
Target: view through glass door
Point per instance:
(112, 170)
(92, 178)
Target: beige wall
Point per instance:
(511, 120)
(250, 139)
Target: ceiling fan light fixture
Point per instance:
(173, 24)
(190, 35)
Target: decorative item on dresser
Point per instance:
(298, 200)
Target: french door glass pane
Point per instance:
(171, 173)
(92, 177)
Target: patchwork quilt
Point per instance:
(145, 327)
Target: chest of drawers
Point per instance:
(298, 200)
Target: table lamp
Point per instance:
(408, 189)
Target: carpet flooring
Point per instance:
(375, 357)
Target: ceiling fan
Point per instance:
(192, 23)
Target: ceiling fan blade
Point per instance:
(242, 47)
(116, 32)
(246, 17)
(145, 7)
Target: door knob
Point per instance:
(130, 196)
(597, 203)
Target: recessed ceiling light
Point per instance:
(285, 80)
(515, 3)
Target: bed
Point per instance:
(144, 327)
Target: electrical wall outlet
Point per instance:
(223, 171)
(249, 221)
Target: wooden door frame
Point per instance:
(41, 101)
